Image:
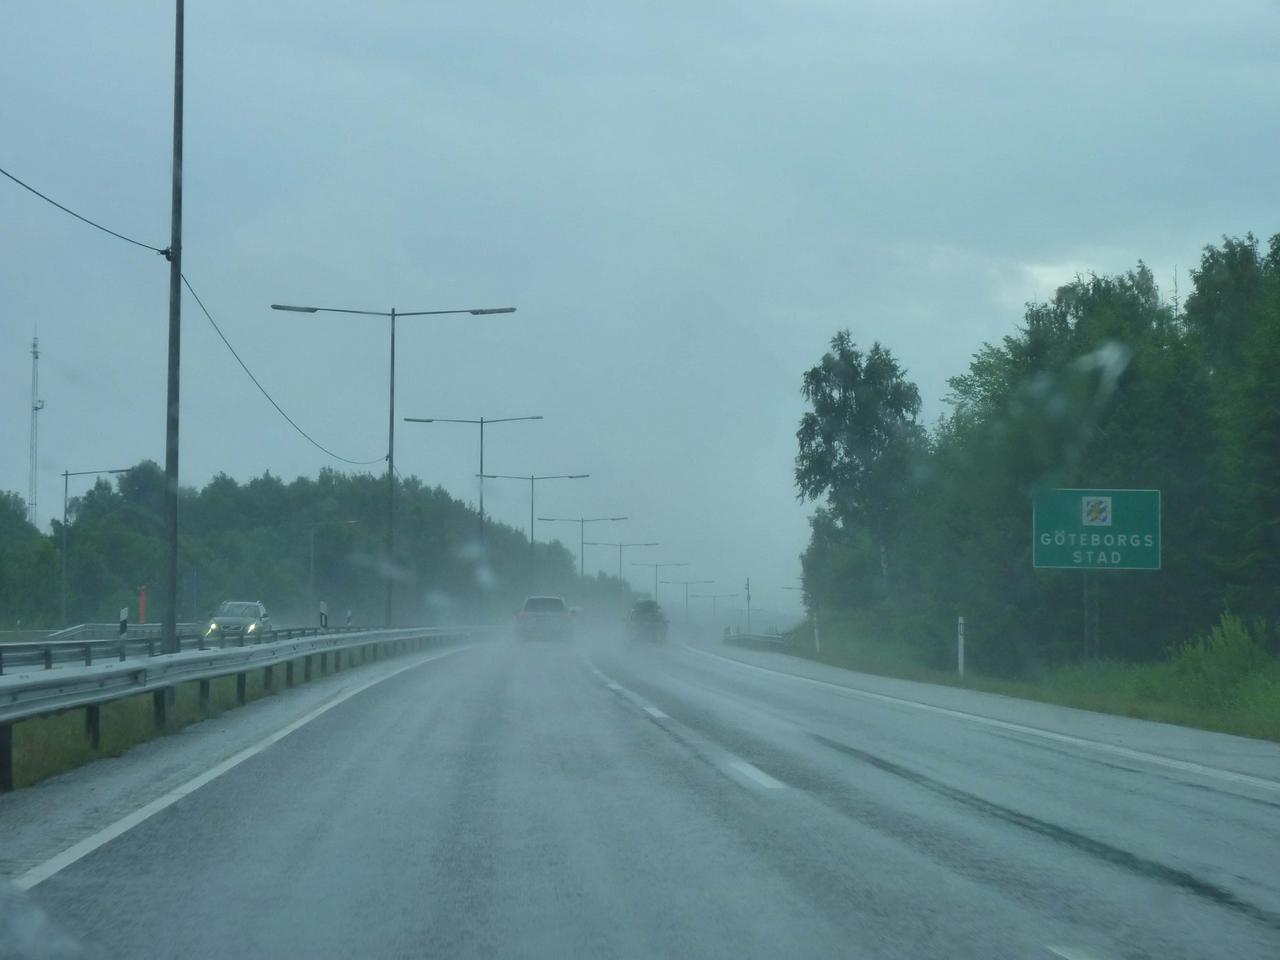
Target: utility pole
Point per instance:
(169, 628)
(748, 604)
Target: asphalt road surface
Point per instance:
(593, 800)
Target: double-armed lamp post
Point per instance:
(582, 535)
(686, 584)
(533, 480)
(392, 314)
(620, 546)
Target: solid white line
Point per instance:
(655, 713)
(615, 687)
(755, 773)
(77, 851)
(1070, 953)
(1185, 766)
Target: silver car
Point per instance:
(544, 618)
(238, 620)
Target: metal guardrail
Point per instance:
(111, 631)
(747, 639)
(51, 653)
(40, 692)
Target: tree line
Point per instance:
(256, 541)
(1107, 385)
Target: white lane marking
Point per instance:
(77, 851)
(655, 713)
(616, 688)
(1070, 953)
(755, 773)
(1184, 766)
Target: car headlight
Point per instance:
(253, 628)
(213, 628)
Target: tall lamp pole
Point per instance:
(533, 479)
(686, 592)
(66, 475)
(656, 568)
(609, 543)
(713, 597)
(481, 422)
(391, 409)
(582, 535)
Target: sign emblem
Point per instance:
(1096, 511)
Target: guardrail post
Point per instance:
(124, 651)
(159, 708)
(88, 655)
(93, 725)
(6, 757)
(288, 674)
(204, 693)
(324, 664)
(48, 658)
(306, 669)
(1, 661)
(337, 660)
(266, 678)
(240, 689)
(151, 648)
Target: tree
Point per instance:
(857, 442)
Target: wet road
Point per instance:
(594, 800)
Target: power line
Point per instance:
(165, 253)
(92, 223)
(280, 410)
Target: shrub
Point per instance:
(1213, 670)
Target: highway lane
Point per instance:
(598, 800)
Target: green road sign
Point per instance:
(1096, 529)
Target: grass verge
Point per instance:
(47, 746)
(1224, 681)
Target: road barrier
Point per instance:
(755, 639)
(43, 692)
(87, 648)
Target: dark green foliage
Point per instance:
(1104, 386)
(253, 541)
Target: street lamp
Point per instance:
(391, 411)
(686, 593)
(607, 543)
(656, 568)
(582, 538)
(66, 475)
(713, 597)
(481, 422)
(533, 479)
(311, 580)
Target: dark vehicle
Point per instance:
(238, 619)
(544, 618)
(647, 622)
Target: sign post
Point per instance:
(1095, 529)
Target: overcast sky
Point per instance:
(684, 200)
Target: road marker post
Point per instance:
(960, 645)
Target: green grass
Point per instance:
(50, 745)
(1225, 681)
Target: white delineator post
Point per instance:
(960, 645)
(817, 637)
